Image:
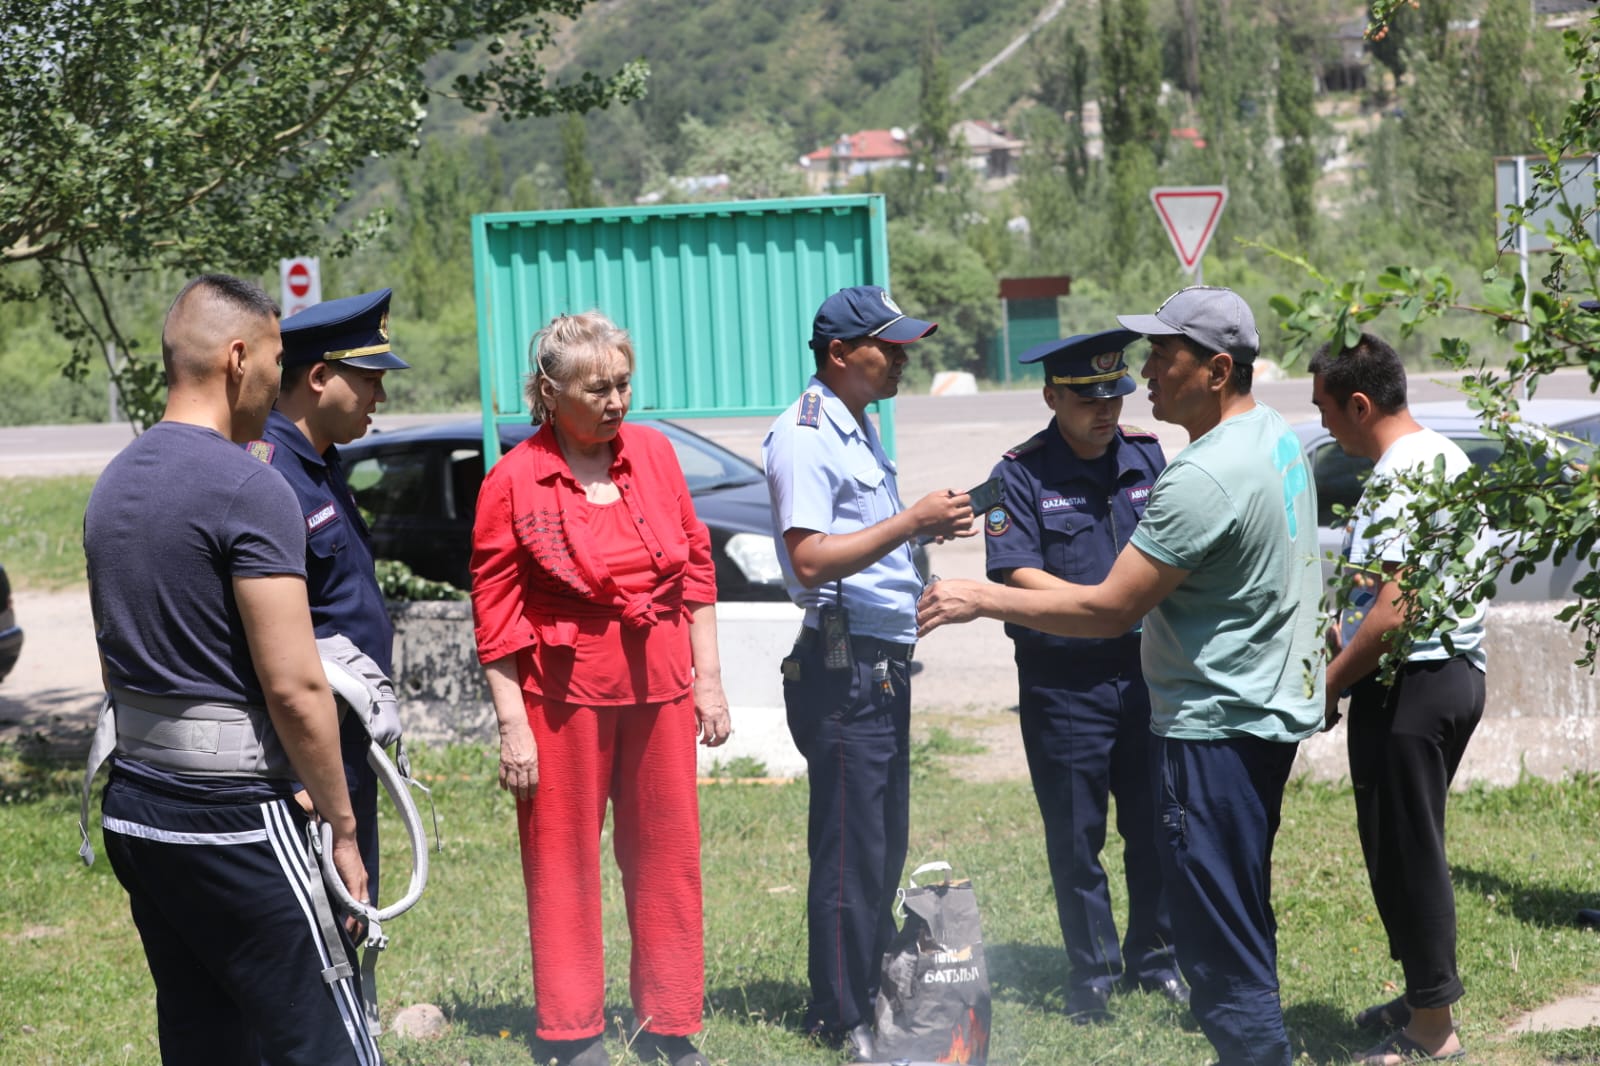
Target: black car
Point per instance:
(419, 489)
(10, 632)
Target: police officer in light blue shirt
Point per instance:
(1071, 497)
(846, 557)
(335, 355)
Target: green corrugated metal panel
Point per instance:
(717, 297)
(1028, 322)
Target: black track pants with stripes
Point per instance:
(220, 895)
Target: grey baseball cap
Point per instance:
(1216, 319)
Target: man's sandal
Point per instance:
(1394, 1014)
(1400, 1048)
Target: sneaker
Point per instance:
(673, 1050)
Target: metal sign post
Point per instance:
(1189, 213)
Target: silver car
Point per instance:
(1339, 477)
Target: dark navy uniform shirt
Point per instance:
(343, 590)
(1067, 516)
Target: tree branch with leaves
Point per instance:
(1541, 499)
(190, 135)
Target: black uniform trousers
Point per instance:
(854, 728)
(1086, 731)
(219, 893)
(1406, 741)
(362, 781)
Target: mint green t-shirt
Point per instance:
(1235, 649)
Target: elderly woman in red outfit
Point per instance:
(593, 596)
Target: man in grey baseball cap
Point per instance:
(1223, 570)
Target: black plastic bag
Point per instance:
(933, 999)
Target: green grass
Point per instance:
(74, 988)
(41, 530)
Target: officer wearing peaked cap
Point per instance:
(335, 356)
(1072, 494)
(845, 540)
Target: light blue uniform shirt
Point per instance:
(1236, 648)
(824, 472)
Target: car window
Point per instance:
(707, 465)
(466, 475)
(391, 484)
(1339, 478)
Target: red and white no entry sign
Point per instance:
(302, 284)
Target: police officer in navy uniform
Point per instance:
(846, 557)
(1072, 494)
(335, 355)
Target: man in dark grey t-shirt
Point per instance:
(196, 556)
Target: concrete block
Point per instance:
(443, 697)
(1541, 714)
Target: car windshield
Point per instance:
(707, 466)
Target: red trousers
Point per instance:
(642, 759)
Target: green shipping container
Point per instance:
(717, 297)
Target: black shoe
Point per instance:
(1169, 985)
(673, 1050)
(860, 1041)
(590, 1051)
(1172, 987)
(1087, 1005)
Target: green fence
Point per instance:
(718, 298)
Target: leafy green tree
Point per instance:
(1543, 505)
(932, 152)
(1130, 115)
(190, 135)
(576, 173)
(756, 153)
(1297, 127)
(1063, 67)
(1502, 58)
(947, 282)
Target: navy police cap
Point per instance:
(865, 311)
(1090, 364)
(353, 331)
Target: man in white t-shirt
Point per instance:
(1405, 737)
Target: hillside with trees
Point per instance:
(1352, 154)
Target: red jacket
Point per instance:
(540, 580)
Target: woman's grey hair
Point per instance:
(569, 347)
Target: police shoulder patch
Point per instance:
(261, 449)
(810, 412)
(1032, 444)
(1136, 433)
(997, 522)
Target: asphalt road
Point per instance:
(946, 442)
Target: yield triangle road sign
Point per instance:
(1190, 214)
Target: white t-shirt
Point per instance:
(1385, 498)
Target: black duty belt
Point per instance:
(865, 649)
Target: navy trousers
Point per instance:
(856, 739)
(1221, 801)
(362, 781)
(1088, 738)
(218, 893)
